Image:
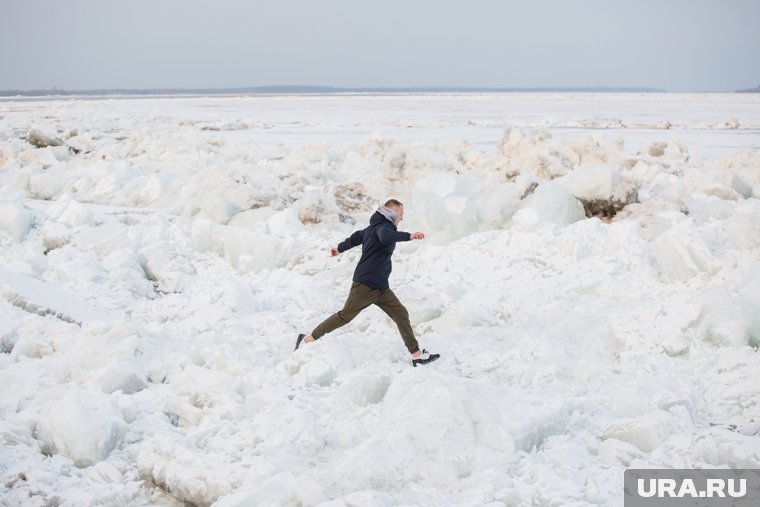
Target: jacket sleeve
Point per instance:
(356, 239)
(388, 235)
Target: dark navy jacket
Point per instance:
(378, 242)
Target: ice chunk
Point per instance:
(550, 203)
(681, 253)
(449, 206)
(218, 209)
(8, 336)
(9, 151)
(162, 265)
(737, 171)
(15, 217)
(44, 158)
(47, 184)
(188, 474)
(437, 429)
(740, 186)
(444, 206)
(40, 139)
(743, 232)
(42, 298)
(124, 376)
(618, 452)
(726, 448)
(536, 154)
(318, 371)
(424, 420)
(245, 250)
(646, 432)
(152, 189)
(320, 365)
(252, 217)
(654, 215)
(590, 152)
(83, 426)
(67, 210)
(285, 223)
(16, 220)
(602, 189)
(405, 162)
(475, 308)
(697, 182)
(105, 239)
(362, 389)
(668, 150)
(314, 208)
(749, 296)
(743, 227)
(353, 198)
(206, 387)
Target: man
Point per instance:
(370, 283)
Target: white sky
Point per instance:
(678, 45)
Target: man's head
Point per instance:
(397, 207)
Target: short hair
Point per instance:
(394, 203)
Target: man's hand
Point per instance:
(333, 252)
(418, 235)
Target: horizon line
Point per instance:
(337, 90)
(319, 89)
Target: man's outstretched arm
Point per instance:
(388, 235)
(355, 239)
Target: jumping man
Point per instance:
(370, 283)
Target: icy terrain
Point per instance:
(591, 278)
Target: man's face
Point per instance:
(399, 213)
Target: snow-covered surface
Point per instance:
(157, 265)
(44, 298)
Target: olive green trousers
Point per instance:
(359, 298)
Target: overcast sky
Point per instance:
(678, 45)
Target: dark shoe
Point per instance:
(299, 340)
(425, 358)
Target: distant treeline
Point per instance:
(316, 90)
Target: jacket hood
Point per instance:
(387, 213)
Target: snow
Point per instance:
(81, 426)
(44, 299)
(590, 278)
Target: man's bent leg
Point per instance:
(359, 297)
(389, 303)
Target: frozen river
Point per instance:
(590, 277)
